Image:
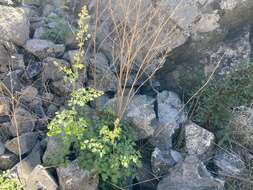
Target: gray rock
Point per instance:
(7, 161)
(7, 2)
(51, 71)
(4, 59)
(44, 48)
(17, 61)
(14, 25)
(55, 152)
(39, 32)
(29, 94)
(22, 121)
(12, 82)
(162, 161)
(140, 112)
(41, 179)
(26, 142)
(198, 140)
(229, 163)
(2, 148)
(33, 70)
(5, 106)
(104, 78)
(170, 115)
(190, 174)
(25, 167)
(72, 177)
(5, 133)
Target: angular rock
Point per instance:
(72, 177)
(44, 48)
(55, 152)
(140, 112)
(190, 174)
(25, 167)
(26, 141)
(41, 179)
(51, 71)
(22, 121)
(162, 161)
(229, 163)
(33, 70)
(29, 94)
(5, 106)
(14, 25)
(104, 79)
(5, 133)
(198, 140)
(12, 82)
(39, 32)
(170, 116)
(7, 161)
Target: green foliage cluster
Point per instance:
(214, 105)
(102, 145)
(8, 183)
(59, 32)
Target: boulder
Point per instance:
(162, 161)
(72, 177)
(171, 115)
(229, 163)
(104, 78)
(29, 94)
(22, 144)
(14, 25)
(190, 174)
(51, 71)
(5, 133)
(198, 140)
(44, 48)
(55, 152)
(33, 70)
(41, 179)
(22, 121)
(7, 161)
(12, 82)
(140, 112)
(25, 167)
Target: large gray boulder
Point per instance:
(72, 177)
(139, 112)
(22, 144)
(198, 140)
(162, 161)
(24, 168)
(14, 25)
(170, 115)
(190, 174)
(22, 122)
(7, 161)
(55, 152)
(44, 48)
(40, 178)
(229, 163)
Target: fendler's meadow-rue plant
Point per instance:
(102, 145)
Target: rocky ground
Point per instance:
(33, 89)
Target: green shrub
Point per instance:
(8, 183)
(102, 143)
(59, 32)
(214, 105)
